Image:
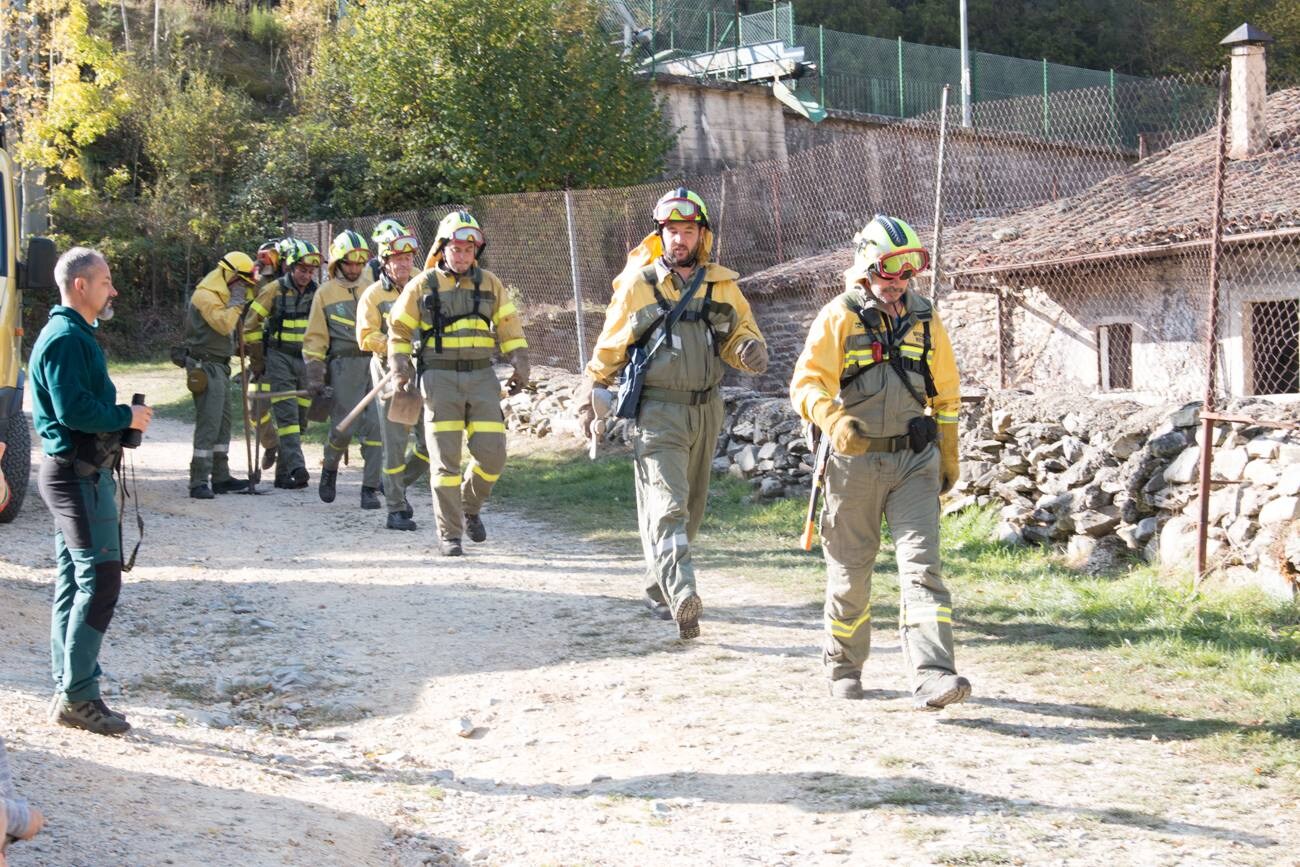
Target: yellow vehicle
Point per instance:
(36, 273)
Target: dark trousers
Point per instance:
(88, 555)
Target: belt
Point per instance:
(672, 395)
(211, 359)
(460, 365)
(889, 444)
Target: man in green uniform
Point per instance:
(878, 377)
(214, 312)
(273, 334)
(331, 352)
(80, 425)
(680, 413)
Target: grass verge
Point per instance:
(1130, 653)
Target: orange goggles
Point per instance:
(401, 244)
(311, 260)
(903, 262)
(671, 210)
(468, 233)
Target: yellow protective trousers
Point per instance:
(460, 404)
(673, 448)
(286, 372)
(350, 379)
(405, 463)
(903, 487)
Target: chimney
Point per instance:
(1249, 129)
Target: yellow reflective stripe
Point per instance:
(266, 419)
(926, 614)
(487, 477)
(860, 356)
(511, 345)
(448, 481)
(947, 418)
(474, 324)
(343, 319)
(445, 426)
(485, 427)
(279, 399)
(310, 353)
(395, 470)
(422, 457)
(253, 336)
(507, 309)
(289, 337)
(400, 346)
(304, 401)
(371, 443)
(468, 342)
(912, 352)
(289, 429)
(840, 629)
(262, 311)
(408, 320)
(295, 323)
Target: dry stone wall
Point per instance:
(1107, 481)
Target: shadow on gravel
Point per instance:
(1116, 723)
(841, 793)
(149, 817)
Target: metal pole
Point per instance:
(1212, 335)
(965, 70)
(901, 110)
(1047, 123)
(735, 41)
(821, 66)
(938, 196)
(577, 284)
(652, 40)
(1114, 113)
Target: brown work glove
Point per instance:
(403, 370)
(582, 407)
(256, 358)
(949, 468)
(238, 294)
(519, 378)
(848, 435)
(753, 355)
(315, 375)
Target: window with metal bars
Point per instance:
(1115, 355)
(1275, 347)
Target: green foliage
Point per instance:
(451, 99)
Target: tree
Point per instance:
(450, 99)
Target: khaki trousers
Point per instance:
(460, 405)
(350, 379)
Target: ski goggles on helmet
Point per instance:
(310, 259)
(357, 257)
(903, 262)
(680, 209)
(468, 233)
(400, 244)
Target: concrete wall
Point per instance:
(720, 126)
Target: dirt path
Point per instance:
(299, 679)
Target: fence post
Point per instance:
(1212, 335)
(577, 285)
(938, 196)
(1047, 122)
(821, 66)
(1114, 113)
(652, 40)
(901, 112)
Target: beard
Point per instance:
(685, 260)
(105, 313)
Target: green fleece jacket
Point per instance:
(71, 390)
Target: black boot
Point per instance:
(398, 521)
(201, 492)
(450, 547)
(328, 482)
(230, 486)
(474, 528)
(369, 498)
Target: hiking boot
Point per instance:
(408, 512)
(328, 485)
(656, 608)
(103, 708)
(688, 617)
(847, 687)
(940, 691)
(52, 713)
(201, 492)
(370, 498)
(399, 521)
(230, 486)
(268, 458)
(474, 528)
(86, 715)
(450, 548)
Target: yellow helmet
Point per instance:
(398, 242)
(238, 264)
(681, 205)
(302, 251)
(387, 227)
(459, 226)
(889, 247)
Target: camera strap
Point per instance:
(122, 494)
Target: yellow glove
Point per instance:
(848, 435)
(949, 469)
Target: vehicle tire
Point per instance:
(16, 464)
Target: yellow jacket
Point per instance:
(372, 315)
(839, 346)
(210, 321)
(332, 321)
(473, 336)
(691, 364)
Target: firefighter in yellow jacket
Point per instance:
(331, 354)
(210, 334)
(459, 313)
(681, 407)
(878, 377)
(273, 335)
(404, 465)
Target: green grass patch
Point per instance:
(1134, 653)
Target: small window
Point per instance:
(1275, 346)
(1115, 352)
